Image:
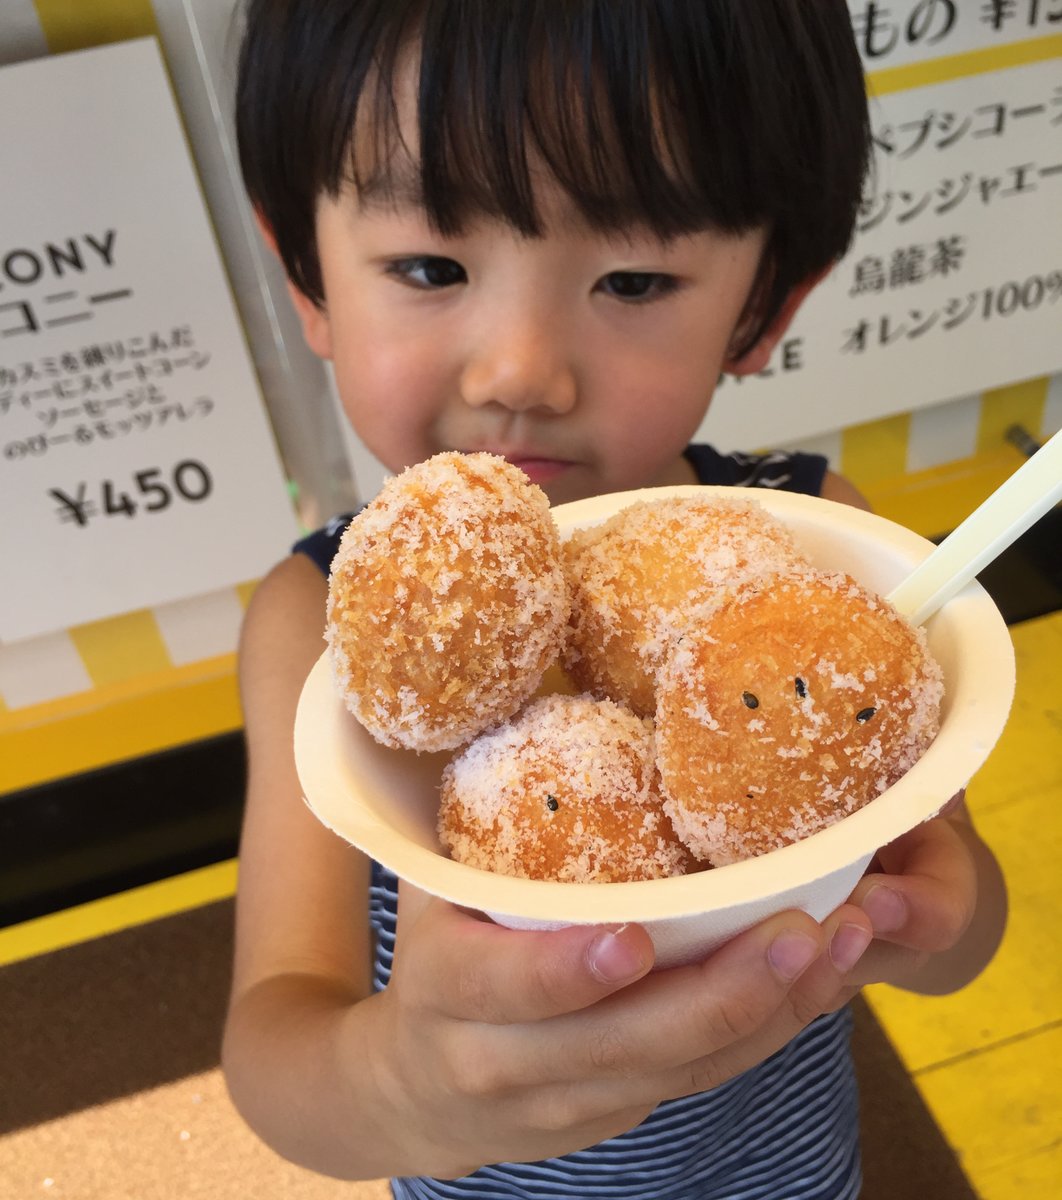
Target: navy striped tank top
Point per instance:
(787, 1129)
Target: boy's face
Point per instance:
(587, 362)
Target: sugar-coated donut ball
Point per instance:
(787, 707)
(566, 791)
(446, 601)
(637, 577)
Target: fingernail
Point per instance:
(886, 908)
(847, 946)
(791, 953)
(612, 959)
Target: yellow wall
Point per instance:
(75, 24)
(935, 500)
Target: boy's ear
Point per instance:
(316, 328)
(758, 356)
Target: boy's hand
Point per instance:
(937, 904)
(498, 1045)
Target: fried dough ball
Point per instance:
(788, 707)
(447, 601)
(567, 791)
(636, 578)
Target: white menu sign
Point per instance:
(137, 466)
(953, 284)
(896, 33)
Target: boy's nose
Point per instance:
(519, 371)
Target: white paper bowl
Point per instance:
(384, 801)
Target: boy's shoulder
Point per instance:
(785, 470)
(289, 598)
(321, 545)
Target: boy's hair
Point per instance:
(674, 115)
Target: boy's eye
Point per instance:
(428, 271)
(637, 285)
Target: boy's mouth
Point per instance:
(538, 468)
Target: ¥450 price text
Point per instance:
(152, 490)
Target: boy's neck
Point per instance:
(677, 473)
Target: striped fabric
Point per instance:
(787, 1129)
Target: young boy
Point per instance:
(543, 228)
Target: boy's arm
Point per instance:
(302, 937)
(489, 1044)
(836, 487)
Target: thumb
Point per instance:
(480, 971)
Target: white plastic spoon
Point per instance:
(1011, 509)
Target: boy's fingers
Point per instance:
(849, 936)
(726, 1013)
(884, 961)
(675, 1017)
(927, 899)
(719, 1027)
(920, 914)
(846, 935)
(473, 970)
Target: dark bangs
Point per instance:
(669, 115)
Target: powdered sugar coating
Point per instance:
(786, 707)
(447, 601)
(567, 791)
(637, 577)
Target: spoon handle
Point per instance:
(1010, 510)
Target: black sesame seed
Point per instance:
(865, 714)
(801, 687)
(749, 700)
(551, 803)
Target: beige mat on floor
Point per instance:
(183, 1140)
